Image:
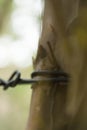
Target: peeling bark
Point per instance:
(59, 106)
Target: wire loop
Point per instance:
(46, 76)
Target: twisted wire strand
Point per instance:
(15, 78)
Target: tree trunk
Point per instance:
(59, 106)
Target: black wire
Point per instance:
(48, 73)
(54, 76)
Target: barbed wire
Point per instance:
(37, 76)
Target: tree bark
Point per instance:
(60, 106)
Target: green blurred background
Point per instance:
(19, 34)
(14, 103)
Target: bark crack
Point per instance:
(52, 107)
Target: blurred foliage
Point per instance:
(5, 11)
(14, 108)
(15, 102)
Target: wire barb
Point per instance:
(45, 76)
